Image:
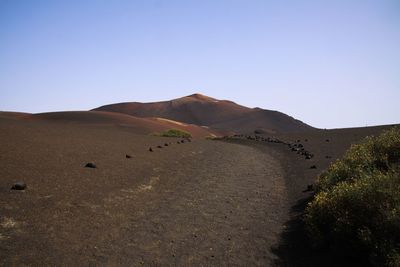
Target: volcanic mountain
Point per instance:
(217, 114)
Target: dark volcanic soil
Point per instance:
(200, 203)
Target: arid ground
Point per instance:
(158, 201)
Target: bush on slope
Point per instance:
(357, 205)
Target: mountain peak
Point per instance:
(201, 97)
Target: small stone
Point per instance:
(128, 156)
(159, 146)
(313, 167)
(19, 186)
(90, 165)
(150, 149)
(165, 144)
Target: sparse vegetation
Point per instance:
(175, 133)
(357, 205)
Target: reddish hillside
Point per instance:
(137, 125)
(206, 111)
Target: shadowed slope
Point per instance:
(219, 114)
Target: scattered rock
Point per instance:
(308, 157)
(90, 165)
(165, 144)
(258, 131)
(159, 146)
(150, 149)
(128, 156)
(313, 167)
(310, 187)
(178, 143)
(327, 140)
(19, 186)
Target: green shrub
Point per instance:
(357, 205)
(175, 133)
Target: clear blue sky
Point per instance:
(329, 63)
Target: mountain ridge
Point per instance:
(207, 111)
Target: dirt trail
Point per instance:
(224, 205)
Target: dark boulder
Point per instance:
(19, 186)
(90, 165)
